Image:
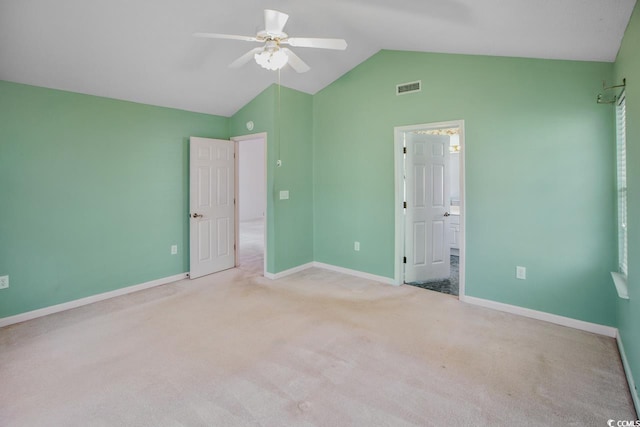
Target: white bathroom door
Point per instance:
(427, 213)
(212, 206)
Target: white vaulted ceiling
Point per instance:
(143, 51)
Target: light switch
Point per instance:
(284, 194)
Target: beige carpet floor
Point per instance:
(314, 349)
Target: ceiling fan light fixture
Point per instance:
(271, 59)
(270, 55)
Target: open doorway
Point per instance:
(429, 213)
(251, 203)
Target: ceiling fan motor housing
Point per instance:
(267, 36)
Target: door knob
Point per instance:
(195, 215)
(447, 214)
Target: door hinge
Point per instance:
(404, 205)
(404, 260)
(404, 150)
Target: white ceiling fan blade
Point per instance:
(245, 58)
(337, 44)
(226, 36)
(274, 21)
(296, 63)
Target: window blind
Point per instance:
(621, 143)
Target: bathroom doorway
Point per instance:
(429, 213)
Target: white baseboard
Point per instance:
(356, 273)
(23, 317)
(541, 315)
(629, 374)
(335, 268)
(289, 272)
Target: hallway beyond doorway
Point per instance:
(251, 246)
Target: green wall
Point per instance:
(286, 115)
(93, 193)
(539, 173)
(94, 190)
(628, 311)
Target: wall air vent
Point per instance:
(412, 87)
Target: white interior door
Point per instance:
(427, 214)
(212, 206)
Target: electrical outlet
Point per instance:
(174, 249)
(4, 282)
(521, 273)
(356, 246)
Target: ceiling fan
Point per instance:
(272, 55)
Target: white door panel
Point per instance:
(427, 247)
(212, 207)
(419, 248)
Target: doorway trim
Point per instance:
(399, 173)
(236, 140)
